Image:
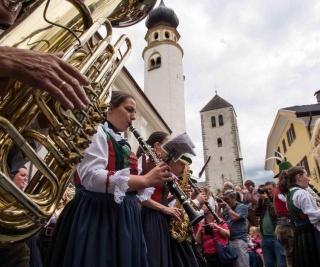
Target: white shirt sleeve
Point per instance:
(307, 203)
(92, 169)
(212, 203)
(282, 197)
(196, 201)
(144, 194)
(173, 202)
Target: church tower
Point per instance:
(220, 138)
(163, 71)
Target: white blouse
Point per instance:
(92, 169)
(307, 203)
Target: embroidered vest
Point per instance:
(295, 213)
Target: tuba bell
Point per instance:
(23, 214)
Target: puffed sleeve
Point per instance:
(92, 170)
(307, 203)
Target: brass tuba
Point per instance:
(23, 214)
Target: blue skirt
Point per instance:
(305, 245)
(58, 242)
(182, 254)
(163, 250)
(105, 233)
(156, 231)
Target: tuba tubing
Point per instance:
(23, 214)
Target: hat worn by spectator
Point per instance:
(283, 165)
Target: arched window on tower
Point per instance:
(219, 142)
(158, 62)
(152, 64)
(156, 36)
(167, 35)
(213, 121)
(220, 120)
(155, 61)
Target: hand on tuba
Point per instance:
(47, 72)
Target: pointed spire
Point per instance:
(216, 103)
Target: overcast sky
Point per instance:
(260, 56)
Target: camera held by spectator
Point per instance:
(208, 229)
(262, 190)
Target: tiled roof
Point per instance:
(304, 110)
(216, 103)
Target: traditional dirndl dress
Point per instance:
(105, 233)
(106, 229)
(58, 242)
(163, 250)
(155, 226)
(306, 237)
(182, 254)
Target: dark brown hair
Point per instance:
(270, 183)
(153, 138)
(248, 183)
(287, 178)
(118, 97)
(14, 172)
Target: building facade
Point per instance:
(290, 136)
(163, 69)
(148, 120)
(221, 142)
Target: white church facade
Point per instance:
(161, 104)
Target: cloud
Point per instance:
(259, 56)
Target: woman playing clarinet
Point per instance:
(106, 229)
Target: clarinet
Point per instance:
(314, 190)
(194, 216)
(214, 214)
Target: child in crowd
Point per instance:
(254, 246)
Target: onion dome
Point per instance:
(162, 15)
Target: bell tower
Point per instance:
(220, 136)
(163, 70)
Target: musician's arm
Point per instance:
(200, 199)
(198, 236)
(213, 204)
(171, 211)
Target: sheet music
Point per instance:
(178, 146)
